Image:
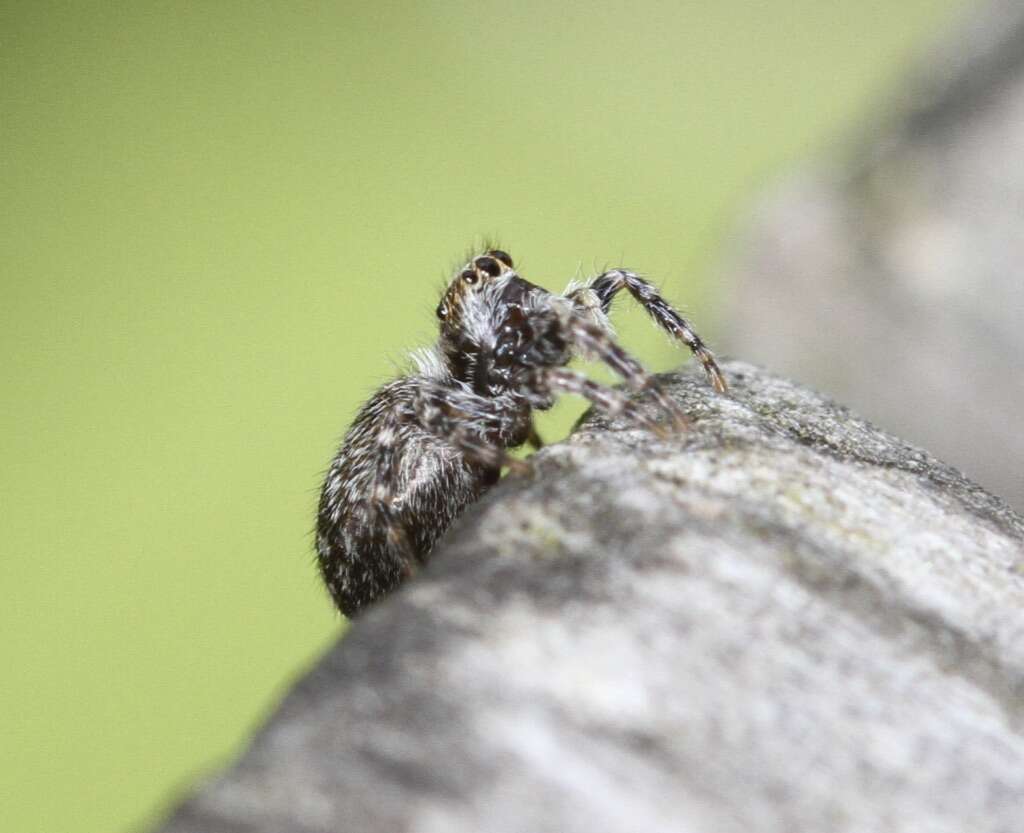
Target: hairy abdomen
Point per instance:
(377, 523)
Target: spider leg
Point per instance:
(595, 341)
(478, 426)
(609, 400)
(607, 285)
(448, 413)
(382, 497)
(534, 438)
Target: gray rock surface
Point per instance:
(893, 277)
(782, 620)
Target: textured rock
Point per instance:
(780, 620)
(894, 278)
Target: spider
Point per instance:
(427, 444)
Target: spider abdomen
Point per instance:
(391, 491)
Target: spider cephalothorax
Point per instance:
(428, 443)
(488, 324)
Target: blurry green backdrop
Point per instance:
(222, 224)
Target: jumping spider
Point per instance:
(428, 444)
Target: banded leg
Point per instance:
(608, 400)
(595, 341)
(607, 285)
(445, 412)
(449, 412)
(381, 502)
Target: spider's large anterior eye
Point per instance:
(488, 265)
(469, 276)
(442, 311)
(498, 254)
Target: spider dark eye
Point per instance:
(488, 265)
(469, 276)
(498, 254)
(442, 311)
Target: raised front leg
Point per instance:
(604, 288)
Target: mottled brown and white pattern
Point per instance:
(429, 443)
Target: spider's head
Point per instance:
(466, 312)
(482, 318)
(467, 287)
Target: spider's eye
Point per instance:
(498, 254)
(488, 265)
(469, 276)
(504, 257)
(442, 311)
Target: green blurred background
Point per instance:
(222, 224)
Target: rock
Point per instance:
(894, 277)
(782, 620)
